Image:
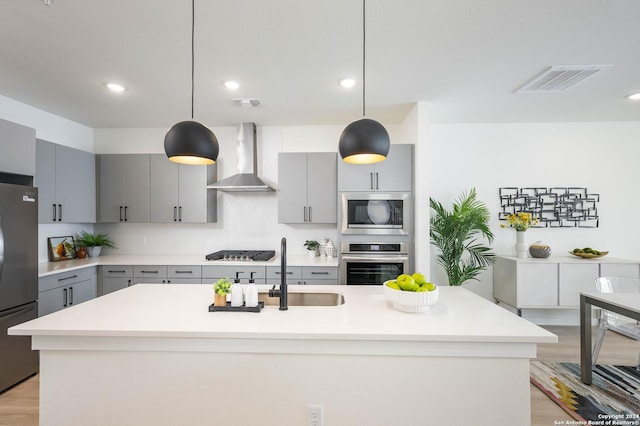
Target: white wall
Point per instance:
(600, 156)
(245, 220)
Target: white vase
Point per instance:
(94, 251)
(522, 249)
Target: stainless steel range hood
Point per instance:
(246, 179)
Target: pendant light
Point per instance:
(189, 142)
(364, 141)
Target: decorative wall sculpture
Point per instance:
(553, 207)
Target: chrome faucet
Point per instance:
(282, 291)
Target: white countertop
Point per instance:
(49, 268)
(567, 259)
(181, 311)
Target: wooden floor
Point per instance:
(19, 405)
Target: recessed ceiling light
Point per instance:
(347, 83)
(634, 96)
(115, 87)
(231, 85)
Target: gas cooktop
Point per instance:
(242, 255)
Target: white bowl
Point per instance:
(411, 301)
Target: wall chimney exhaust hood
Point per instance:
(246, 179)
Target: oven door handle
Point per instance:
(375, 258)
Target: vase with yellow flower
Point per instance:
(520, 221)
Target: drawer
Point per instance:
(117, 271)
(244, 272)
(319, 273)
(293, 273)
(66, 278)
(186, 271)
(153, 271)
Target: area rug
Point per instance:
(613, 398)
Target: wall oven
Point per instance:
(375, 213)
(363, 263)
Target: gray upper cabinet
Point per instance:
(178, 191)
(65, 178)
(307, 187)
(18, 147)
(123, 187)
(393, 174)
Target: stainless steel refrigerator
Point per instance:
(18, 280)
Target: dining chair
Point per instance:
(612, 321)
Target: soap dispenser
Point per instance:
(251, 296)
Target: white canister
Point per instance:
(330, 249)
(251, 296)
(237, 298)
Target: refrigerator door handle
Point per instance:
(1, 249)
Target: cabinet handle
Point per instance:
(309, 213)
(70, 296)
(287, 273)
(184, 272)
(64, 295)
(180, 214)
(168, 281)
(371, 179)
(319, 273)
(120, 213)
(55, 211)
(67, 278)
(376, 180)
(129, 283)
(60, 211)
(305, 214)
(175, 214)
(114, 272)
(125, 213)
(149, 272)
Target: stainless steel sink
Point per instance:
(304, 299)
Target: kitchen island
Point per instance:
(153, 354)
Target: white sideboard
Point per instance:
(555, 282)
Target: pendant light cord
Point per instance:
(364, 43)
(193, 19)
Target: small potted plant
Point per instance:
(221, 288)
(94, 242)
(312, 246)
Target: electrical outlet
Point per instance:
(314, 415)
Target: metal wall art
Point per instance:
(553, 207)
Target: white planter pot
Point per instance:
(312, 253)
(522, 250)
(94, 251)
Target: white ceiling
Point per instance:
(464, 57)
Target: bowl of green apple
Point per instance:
(411, 293)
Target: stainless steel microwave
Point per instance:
(376, 213)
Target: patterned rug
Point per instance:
(612, 399)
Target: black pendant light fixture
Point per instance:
(364, 141)
(189, 142)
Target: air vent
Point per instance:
(247, 103)
(558, 79)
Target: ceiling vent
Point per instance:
(558, 79)
(247, 103)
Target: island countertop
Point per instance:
(181, 311)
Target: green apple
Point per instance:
(394, 285)
(419, 278)
(429, 286)
(406, 282)
(422, 289)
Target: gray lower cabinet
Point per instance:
(211, 274)
(18, 146)
(178, 191)
(307, 185)
(395, 173)
(59, 291)
(304, 275)
(115, 277)
(150, 274)
(184, 274)
(123, 187)
(65, 178)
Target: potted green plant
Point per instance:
(94, 242)
(312, 246)
(221, 288)
(455, 233)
